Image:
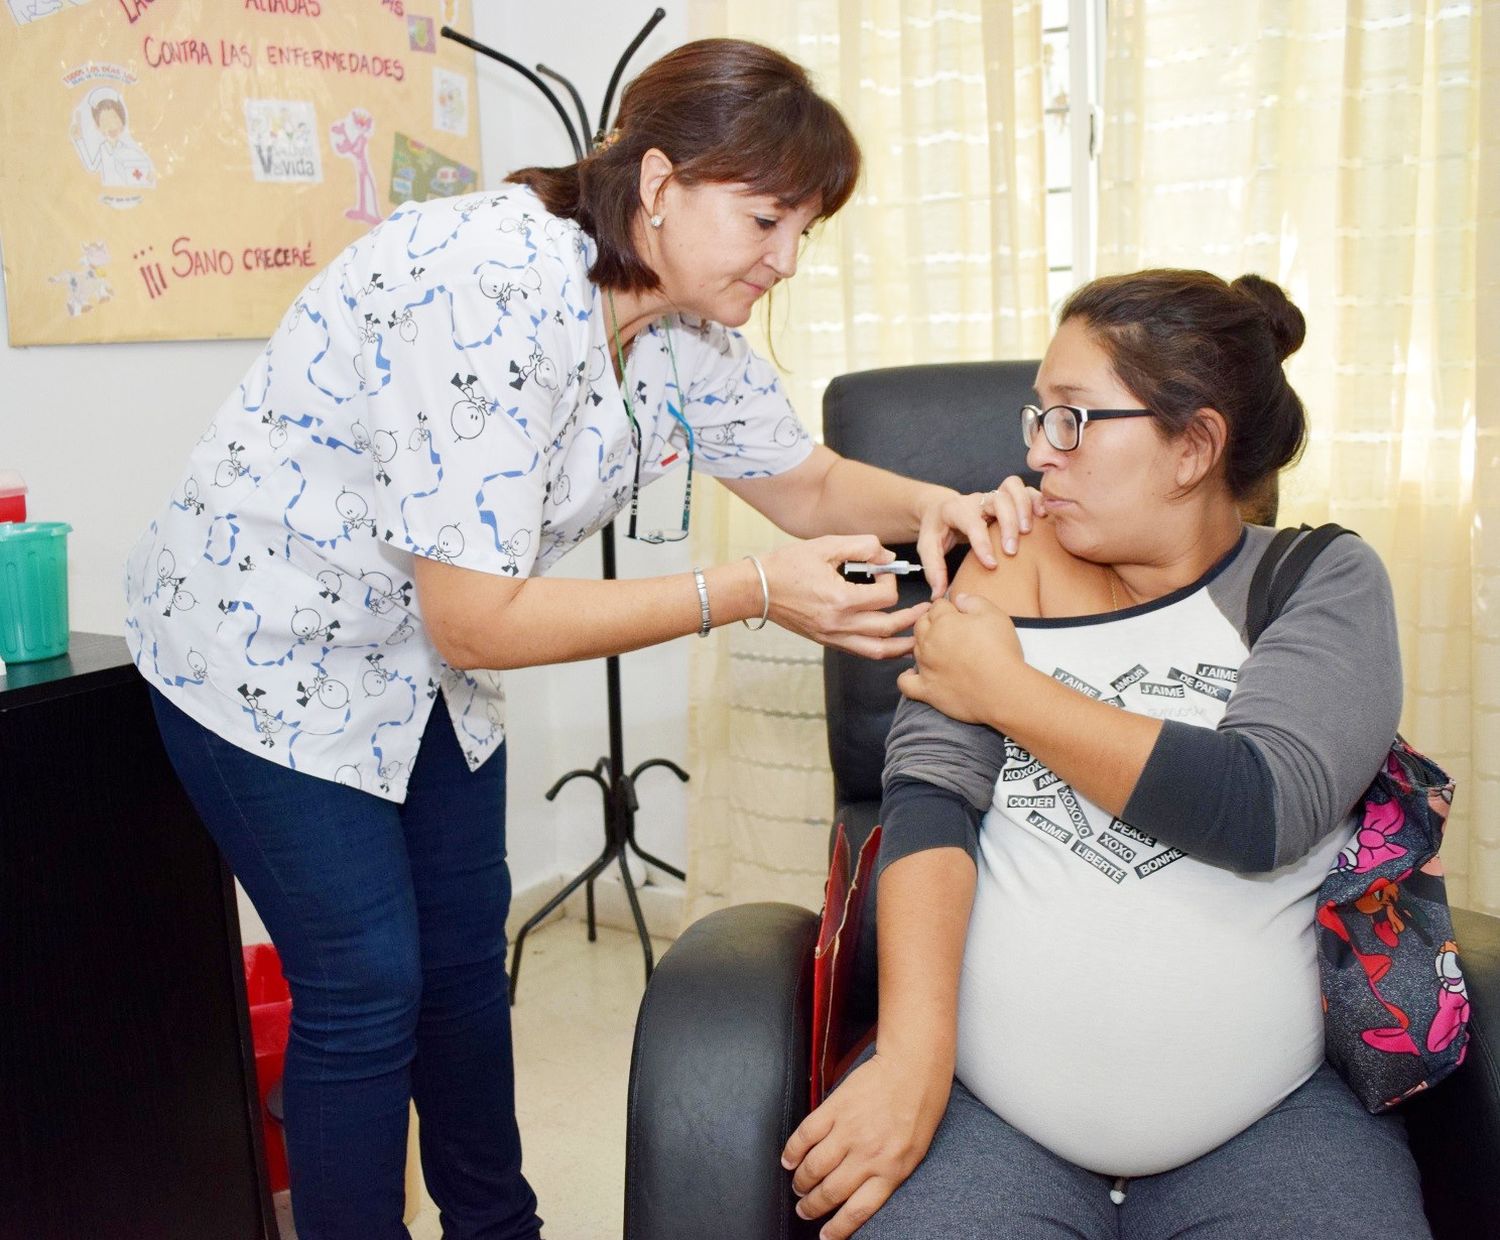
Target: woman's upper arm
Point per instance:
(1014, 584)
(1320, 694)
(1315, 708)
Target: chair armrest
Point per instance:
(719, 1079)
(1455, 1129)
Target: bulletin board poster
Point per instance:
(179, 169)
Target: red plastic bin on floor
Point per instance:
(270, 1023)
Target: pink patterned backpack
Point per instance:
(1395, 1009)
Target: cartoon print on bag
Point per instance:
(1379, 904)
(1453, 1000)
(1372, 845)
(1392, 1039)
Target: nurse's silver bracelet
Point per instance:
(765, 597)
(704, 623)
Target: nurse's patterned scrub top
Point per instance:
(442, 389)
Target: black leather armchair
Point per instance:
(719, 1075)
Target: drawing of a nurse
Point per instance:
(101, 136)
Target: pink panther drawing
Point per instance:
(351, 139)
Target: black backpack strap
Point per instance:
(1257, 611)
(1276, 578)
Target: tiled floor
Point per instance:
(573, 1022)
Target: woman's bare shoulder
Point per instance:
(1043, 578)
(1012, 584)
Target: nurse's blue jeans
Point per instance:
(390, 923)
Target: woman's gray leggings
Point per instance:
(1318, 1166)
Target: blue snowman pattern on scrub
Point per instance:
(442, 389)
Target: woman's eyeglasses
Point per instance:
(1063, 424)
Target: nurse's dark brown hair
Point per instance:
(722, 110)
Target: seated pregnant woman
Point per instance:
(1106, 821)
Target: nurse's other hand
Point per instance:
(1012, 506)
(943, 523)
(809, 596)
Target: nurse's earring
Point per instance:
(656, 221)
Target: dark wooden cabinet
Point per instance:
(128, 1106)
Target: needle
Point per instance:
(900, 567)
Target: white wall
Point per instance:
(101, 432)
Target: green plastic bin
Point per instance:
(33, 590)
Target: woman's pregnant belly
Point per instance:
(1132, 1022)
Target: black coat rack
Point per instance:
(618, 788)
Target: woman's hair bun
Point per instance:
(1288, 327)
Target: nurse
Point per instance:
(362, 537)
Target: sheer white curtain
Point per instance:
(940, 257)
(1348, 150)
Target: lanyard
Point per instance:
(653, 536)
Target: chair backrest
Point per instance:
(954, 424)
